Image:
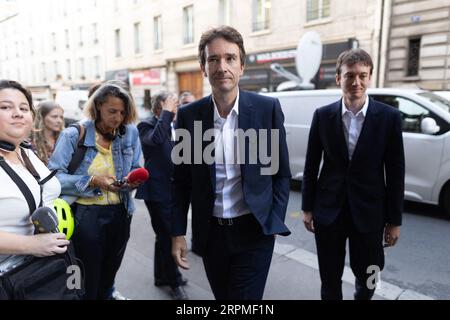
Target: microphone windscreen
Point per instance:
(45, 220)
(139, 175)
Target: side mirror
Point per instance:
(429, 126)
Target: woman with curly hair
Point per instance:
(48, 125)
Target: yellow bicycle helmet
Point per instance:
(66, 223)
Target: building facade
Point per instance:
(419, 45)
(152, 44)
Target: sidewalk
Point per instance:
(288, 279)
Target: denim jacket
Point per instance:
(126, 151)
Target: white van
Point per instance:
(72, 101)
(426, 136)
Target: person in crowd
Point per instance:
(359, 192)
(237, 206)
(48, 125)
(17, 236)
(103, 207)
(157, 143)
(186, 97)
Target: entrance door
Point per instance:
(191, 81)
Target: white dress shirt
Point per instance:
(353, 124)
(229, 201)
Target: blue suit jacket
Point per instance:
(155, 135)
(266, 195)
(372, 183)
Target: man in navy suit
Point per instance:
(359, 193)
(239, 199)
(156, 138)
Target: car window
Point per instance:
(437, 100)
(412, 113)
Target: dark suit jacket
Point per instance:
(373, 197)
(266, 195)
(155, 135)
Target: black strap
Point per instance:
(19, 182)
(80, 151)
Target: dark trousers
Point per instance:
(100, 239)
(165, 269)
(366, 249)
(237, 259)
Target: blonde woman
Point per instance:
(48, 125)
(104, 207)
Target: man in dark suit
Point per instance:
(157, 142)
(238, 205)
(359, 193)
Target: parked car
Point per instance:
(443, 94)
(72, 102)
(426, 135)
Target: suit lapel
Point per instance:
(207, 118)
(336, 116)
(245, 121)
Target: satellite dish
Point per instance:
(309, 56)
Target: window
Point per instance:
(317, 9)
(80, 34)
(94, 33)
(43, 72)
(188, 24)
(137, 38)
(97, 67)
(117, 41)
(157, 33)
(56, 69)
(81, 69)
(66, 37)
(413, 57)
(68, 69)
(261, 15)
(224, 12)
(54, 41)
(412, 113)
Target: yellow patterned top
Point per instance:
(102, 165)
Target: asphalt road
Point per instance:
(421, 259)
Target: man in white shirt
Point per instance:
(236, 209)
(359, 193)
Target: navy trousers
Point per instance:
(237, 258)
(165, 269)
(100, 239)
(366, 249)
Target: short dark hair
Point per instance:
(353, 56)
(10, 84)
(158, 100)
(226, 32)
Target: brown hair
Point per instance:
(226, 32)
(10, 84)
(353, 56)
(41, 147)
(111, 89)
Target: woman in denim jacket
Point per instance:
(103, 207)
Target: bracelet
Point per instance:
(91, 181)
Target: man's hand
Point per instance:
(308, 221)
(391, 235)
(170, 104)
(179, 252)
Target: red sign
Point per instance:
(146, 77)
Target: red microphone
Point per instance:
(139, 175)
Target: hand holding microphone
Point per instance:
(48, 241)
(135, 178)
